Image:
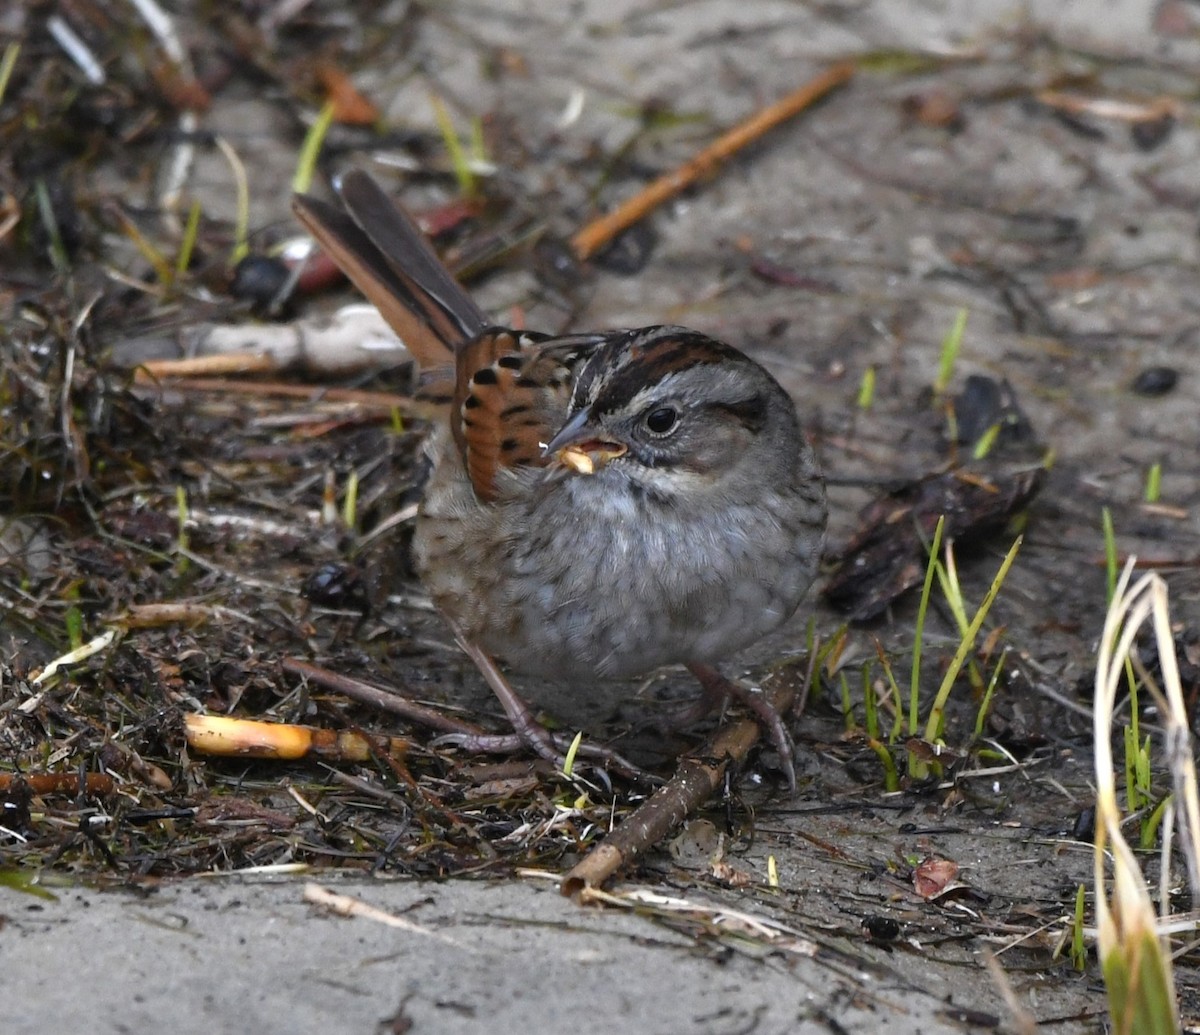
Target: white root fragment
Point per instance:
(351, 340)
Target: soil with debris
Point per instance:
(1037, 175)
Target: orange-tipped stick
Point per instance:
(221, 735)
(600, 231)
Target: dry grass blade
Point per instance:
(364, 399)
(1135, 957)
(717, 918)
(346, 905)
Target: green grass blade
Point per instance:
(454, 148)
(188, 244)
(951, 345)
(914, 688)
(310, 150)
(1154, 483)
(7, 63)
(1110, 551)
(936, 714)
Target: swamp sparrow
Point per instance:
(600, 504)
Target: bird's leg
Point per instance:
(714, 695)
(716, 688)
(527, 731)
(530, 733)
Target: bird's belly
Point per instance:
(606, 590)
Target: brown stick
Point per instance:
(693, 783)
(600, 231)
(60, 783)
(383, 401)
(154, 616)
(226, 363)
(384, 700)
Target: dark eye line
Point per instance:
(750, 412)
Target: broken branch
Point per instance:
(697, 777)
(600, 231)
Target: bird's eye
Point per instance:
(662, 420)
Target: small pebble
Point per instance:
(1147, 134)
(629, 253)
(1084, 827)
(258, 278)
(337, 585)
(1155, 381)
(881, 928)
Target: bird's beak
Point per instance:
(575, 446)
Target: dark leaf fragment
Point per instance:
(888, 554)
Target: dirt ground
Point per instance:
(1034, 169)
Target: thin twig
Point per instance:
(384, 700)
(384, 402)
(600, 231)
(227, 363)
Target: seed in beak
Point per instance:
(588, 456)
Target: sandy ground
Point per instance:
(238, 956)
(834, 196)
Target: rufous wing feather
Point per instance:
(512, 396)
